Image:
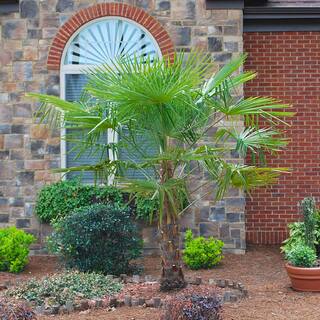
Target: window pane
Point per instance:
(106, 40)
(147, 148)
(74, 87)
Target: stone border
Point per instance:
(103, 10)
(237, 293)
(231, 296)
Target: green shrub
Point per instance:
(300, 232)
(146, 208)
(100, 238)
(14, 249)
(302, 256)
(296, 236)
(61, 198)
(201, 253)
(68, 286)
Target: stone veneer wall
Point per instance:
(28, 151)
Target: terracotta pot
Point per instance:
(304, 279)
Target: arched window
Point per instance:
(99, 42)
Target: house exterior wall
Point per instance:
(288, 66)
(29, 151)
(293, 3)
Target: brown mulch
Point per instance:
(150, 290)
(261, 270)
(37, 267)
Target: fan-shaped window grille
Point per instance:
(101, 42)
(104, 41)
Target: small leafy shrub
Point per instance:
(193, 305)
(302, 256)
(201, 253)
(297, 235)
(307, 231)
(68, 286)
(15, 311)
(101, 238)
(14, 249)
(59, 199)
(146, 208)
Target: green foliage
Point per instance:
(296, 236)
(299, 233)
(101, 238)
(67, 286)
(301, 255)
(308, 207)
(146, 208)
(14, 249)
(201, 253)
(173, 104)
(59, 199)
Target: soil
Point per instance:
(261, 270)
(149, 291)
(37, 267)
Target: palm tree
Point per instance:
(172, 104)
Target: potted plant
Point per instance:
(300, 251)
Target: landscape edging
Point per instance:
(229, 296)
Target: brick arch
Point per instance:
(103, 10)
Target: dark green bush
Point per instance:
(67, 286)
(14, 249)
(101, 238)
(61, 198)
(201, 253)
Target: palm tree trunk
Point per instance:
(172, 274)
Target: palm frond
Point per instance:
(102, 170)
(214, 83)
(155, 95)
(60, 113)
(253, 139)
(171, 104)
(175, 190)
(254, 107)
(243, 177)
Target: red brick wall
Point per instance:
(288, 66)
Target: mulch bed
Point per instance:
(261, 270)
(38, 266)
(149, 291)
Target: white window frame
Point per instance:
(81, 69)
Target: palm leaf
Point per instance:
(253, 139)
(210, 87)
(171, 103)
